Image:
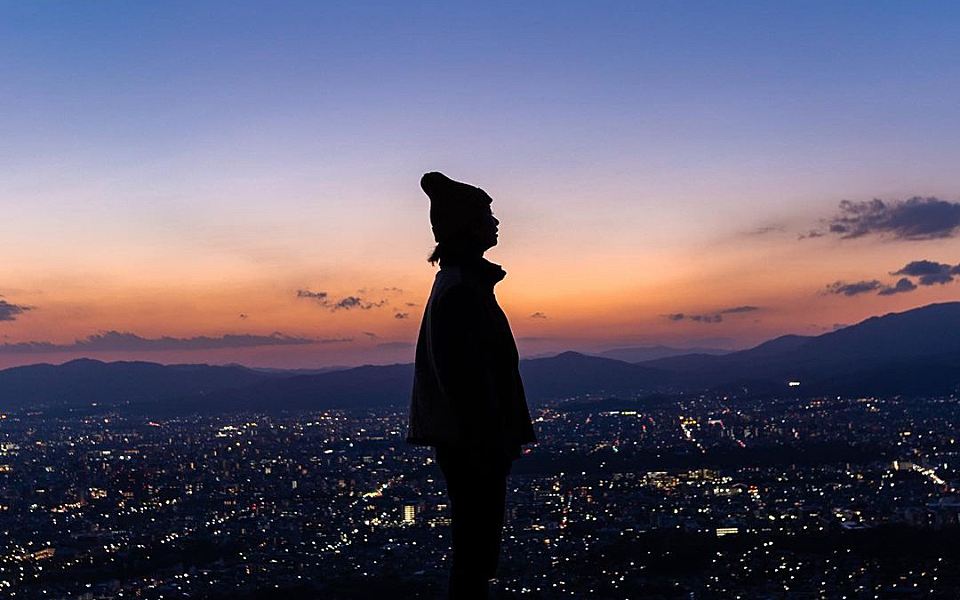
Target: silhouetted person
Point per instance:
(468, 400)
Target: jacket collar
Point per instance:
(479, 269)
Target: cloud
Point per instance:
(538, 315)
(813, 233)
(315, 295)
(394, 290)
(412, 304)
(370, 335)
(323, 298)
(765, 229)
(902, 286)
(852, 289)
(355, 302)
(401, 315)
(714, 317)
(243, 316)
(929, 272)
(114, 341)
(912, 219)
(738, 309)
(9, 312)
(706, 318)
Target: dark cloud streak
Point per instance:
(739, 309)
(116, 341)
(350, 302)
(902, 286)
(929, 272)
(912, 219)
(852, 289)
(322, 296)
(714, 317)
(9, 311)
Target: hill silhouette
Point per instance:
(87, 381)
(918, 344)
(644, 353)
(913, 352)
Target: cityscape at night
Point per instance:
(653, 497)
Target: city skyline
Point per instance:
(239, 183)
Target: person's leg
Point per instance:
(476, 486)
(467, 581)
(494, 495)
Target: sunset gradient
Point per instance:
(174, 173)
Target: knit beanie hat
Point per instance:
(453, 205)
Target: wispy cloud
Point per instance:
(114, 341)
(929, 272)
(912, 219)
(355, 302)
(9, 311)
(852, 289)
(769, 228)
(347, 303)
(538, 315)
(902, 286)
(321, 296)
(926, 272)
(711, 317)
(739, 309)
(813, 233)
(715, 318)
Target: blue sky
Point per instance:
(172, 165)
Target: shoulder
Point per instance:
(452, 284)
(457, 298)
(444, 280)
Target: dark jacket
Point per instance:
(467, 389)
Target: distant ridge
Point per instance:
(87, 381)
(912, 352)
(645, 353)
(911, 342)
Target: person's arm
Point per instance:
(461, 348)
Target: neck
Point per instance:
(457, 256)
(476, 268)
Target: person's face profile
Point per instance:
(486, 228)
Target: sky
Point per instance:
(238, 182)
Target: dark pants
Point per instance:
(477, 488)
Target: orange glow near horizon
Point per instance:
(584, 302)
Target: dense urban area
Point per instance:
(658, 497)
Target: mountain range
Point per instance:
(916, 352)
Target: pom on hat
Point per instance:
(453, 205)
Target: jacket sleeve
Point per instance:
(464, 367)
